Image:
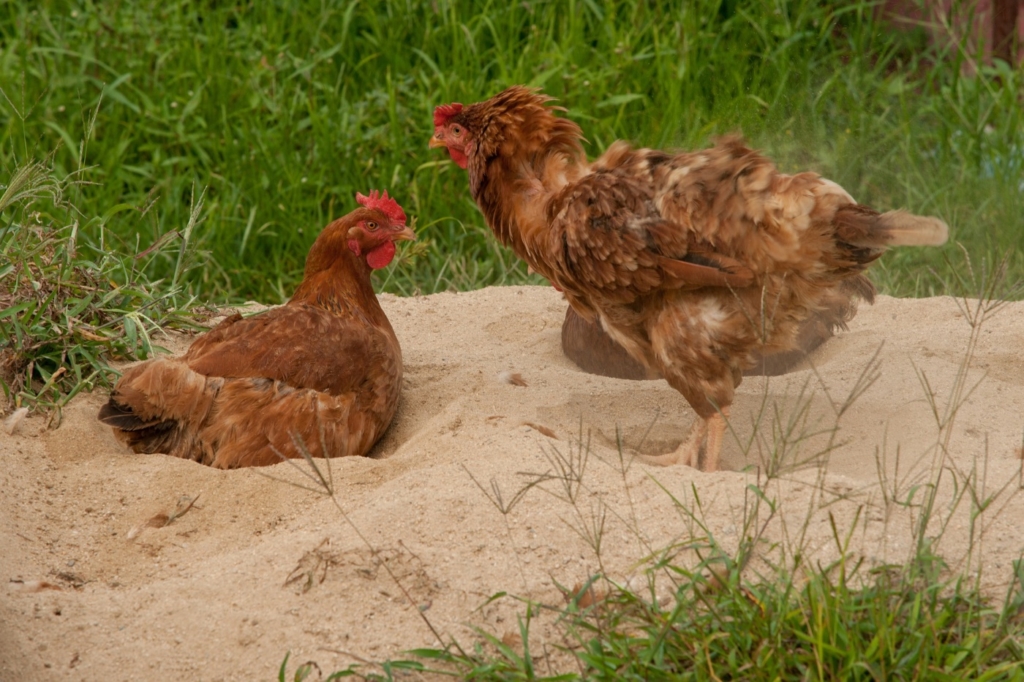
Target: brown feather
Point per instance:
(593, 351)
(320, 374)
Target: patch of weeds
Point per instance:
(68, 305)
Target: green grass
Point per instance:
(902, 623)
(282, 110)
(66, 308)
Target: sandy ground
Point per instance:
(208, 596)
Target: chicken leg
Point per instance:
(705, 436)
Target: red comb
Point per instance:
(384, 204)
(445, 112)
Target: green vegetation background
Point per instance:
(283, 110)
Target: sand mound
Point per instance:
(258, 567)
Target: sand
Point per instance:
(90, 593)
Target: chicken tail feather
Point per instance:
(124, 418)
(907, 229)
(864, 227)
(149, 419)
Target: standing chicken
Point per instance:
(693, 262)
(323, 370)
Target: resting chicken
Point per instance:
(321, 373)
(694, 263)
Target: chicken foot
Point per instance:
(715, 436)
(706, 435)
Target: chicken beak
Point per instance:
(436, 142)
(405, 235)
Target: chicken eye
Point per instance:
(371, 225)
(456, 130)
